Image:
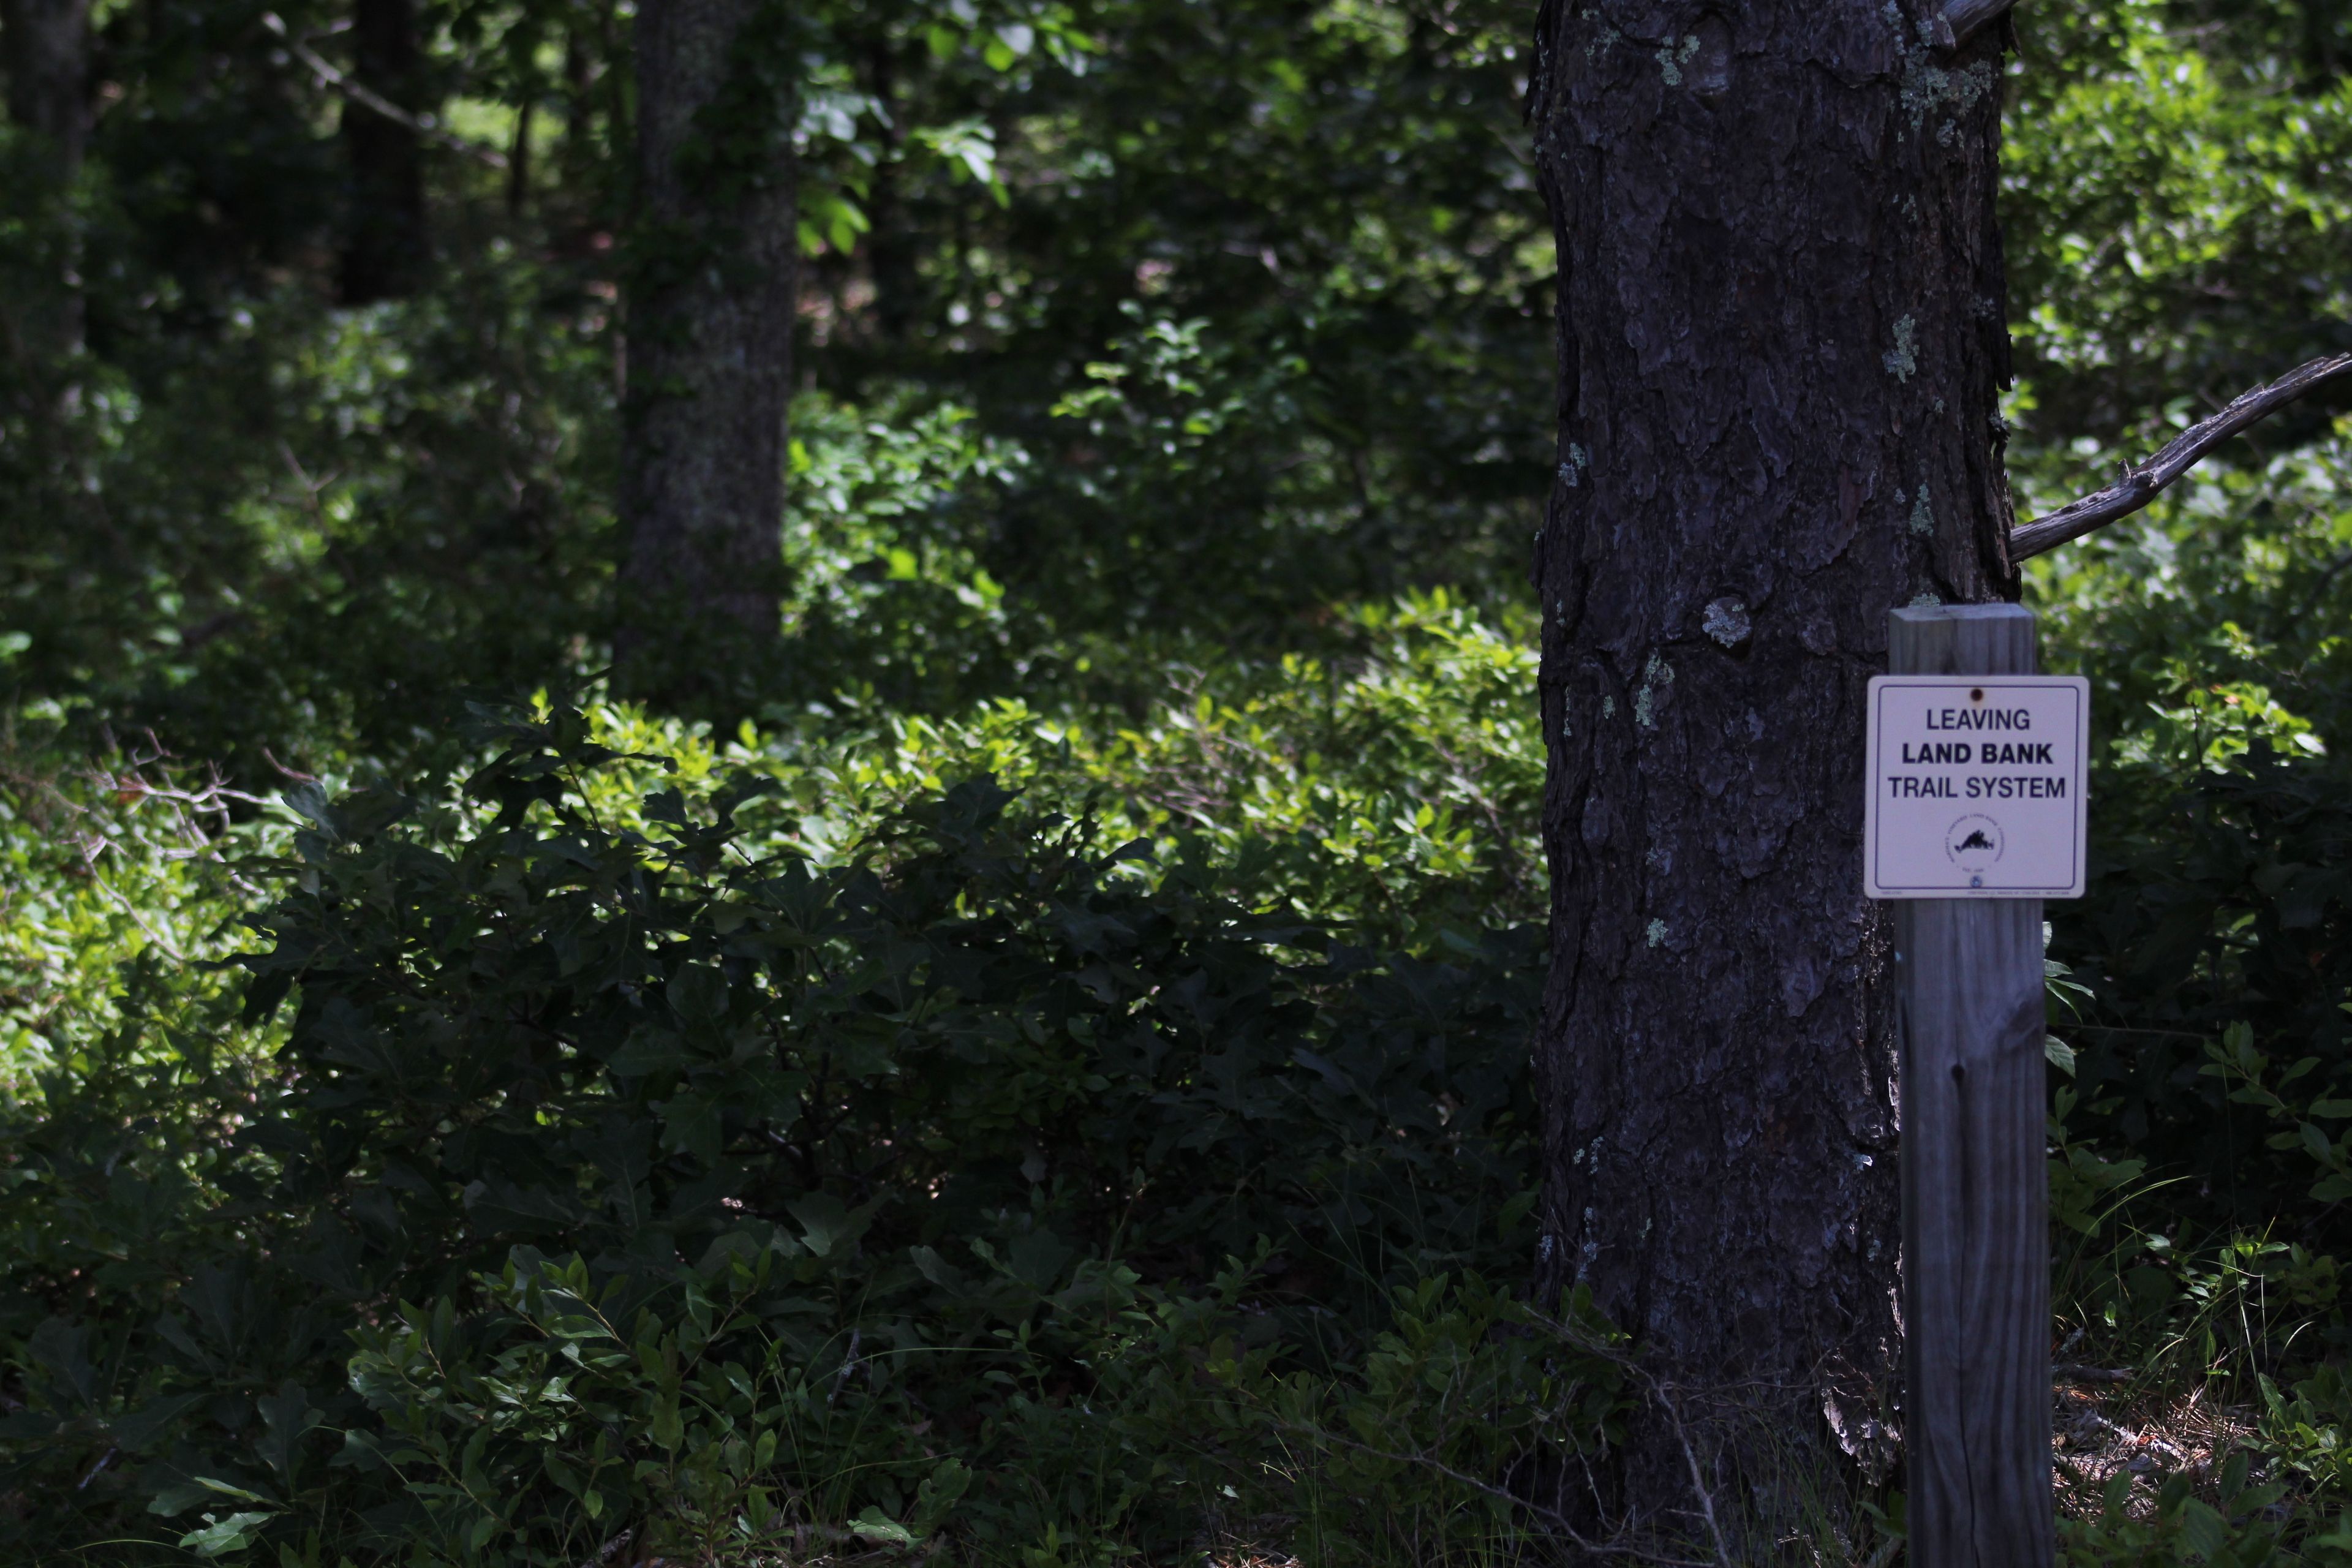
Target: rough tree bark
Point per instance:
(386, 245)
(44, 46)
(710, 338)
(1781, 330)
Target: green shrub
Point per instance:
(950, 1131)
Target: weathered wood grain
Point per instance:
(1976, 1267)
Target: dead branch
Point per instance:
(335, 81)
(1964, 19)
(2140, 484)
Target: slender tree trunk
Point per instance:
(579, 146)
(710, 339)
(519, 162)
(385, 242)
(1782, 331)
(890, 244)
(45, 44)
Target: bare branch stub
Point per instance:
(1964, 19)
(2142, 484)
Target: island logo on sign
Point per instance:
(1974, 842)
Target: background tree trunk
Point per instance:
(47, 47)
(45, 44)
(710, 339)
(1781, 333)
(385, 242)
(890, 244)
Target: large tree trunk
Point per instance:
(1782, 331)
(45, 44)
(710, 341)
(385, 243)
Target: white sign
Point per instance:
(1975, 786)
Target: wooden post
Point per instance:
(1976, 1265)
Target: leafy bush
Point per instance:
(2198, 1164)
(2219, 897)
(942, 1139)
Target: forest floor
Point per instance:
(2102, 1423)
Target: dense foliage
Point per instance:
(1039, 1076)
(880, 1137)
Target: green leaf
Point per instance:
(668, 1427)
(649, 1049)
(141, 1426)
(1037, 1257)
(308, 799)
(287, 1417)
(56, 1347)
(874, 1525)
(690, 1124)
(178, 1497)
(698, 994)
(220, 1538)
(562, 1473)
(936, 1498)
(2205, 1531)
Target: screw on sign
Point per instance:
(1975, 812)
